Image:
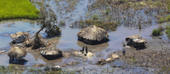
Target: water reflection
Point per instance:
(19, 62)
(93, 48)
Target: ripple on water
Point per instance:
(9, 27)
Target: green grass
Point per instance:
(157, 32)
(13, 9)
(168, 5)
(164, 19)
(168, 31)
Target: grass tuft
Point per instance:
(157, 32)
(164, 19)
(168, 31)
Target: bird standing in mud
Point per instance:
(84, 50)
(124, 51)
(16, 54)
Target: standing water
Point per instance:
(70, 11)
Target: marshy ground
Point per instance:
(121, 18)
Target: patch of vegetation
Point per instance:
(136, 4)
(168, 5)
(106, 25)
(157, 32)
(165, 69)
(167, 17)
(132, 59)
(95, 17)
(164, 19)
(12, 9)
(168, 31)
(61, 24)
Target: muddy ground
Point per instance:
(158, 56)
(121, 18)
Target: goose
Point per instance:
(84, 50)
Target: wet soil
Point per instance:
(153, 59)
(156, 57)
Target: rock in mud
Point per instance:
(115, 56)
(93, 35)
(2, 51)
(136, 41)
(16, 54)
(51, 54)
(19, 37)
(108, 60)
(101, 62)
(28, 43)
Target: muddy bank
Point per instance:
(147, 58)
(156, 56)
